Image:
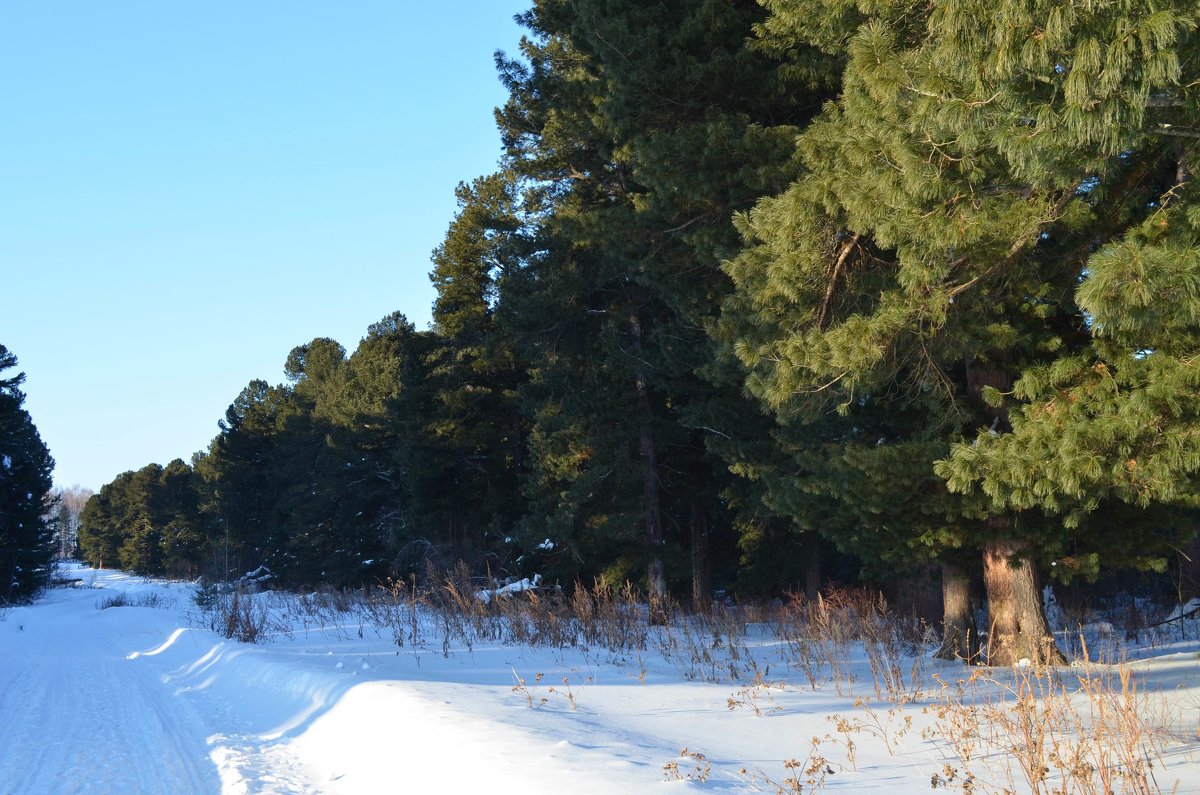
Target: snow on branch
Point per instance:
(488, 594)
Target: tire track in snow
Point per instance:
(81, 718)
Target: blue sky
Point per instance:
(189, 190)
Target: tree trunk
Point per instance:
(1017, 623)
(812, 566)
(1189, 571)
(701, 562)
(656, 575)
(960, 639)
(656, 572)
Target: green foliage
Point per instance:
(1118, 419)
(636, 131)
(26, 535)
(313, 479)
(474, 434)
(148, 521)
(910, 276)
(930, 254)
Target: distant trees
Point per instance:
(65, 507)
(26, 535)
(147, 521)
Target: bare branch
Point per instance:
(837, 269)
(1017, 245)
(1179, 132)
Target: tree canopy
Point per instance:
(913, 282)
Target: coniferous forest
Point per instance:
(762, 294)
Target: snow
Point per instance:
(260, 575)
(138, 699)
(1183, 611)
(486, 595)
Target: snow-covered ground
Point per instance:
(138, 699)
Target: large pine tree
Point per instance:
(474, 429)
(1115, 420)
(26, 538)
(929, 257)
(636, 131)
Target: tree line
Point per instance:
(906, 286)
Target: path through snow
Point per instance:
(135, 700)
(78, 716)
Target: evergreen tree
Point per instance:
(26, 537)
(475, 431)
(705, 122)
(578, 310)
(315, 479)
(339, 484)
(148, 522)
(141, 522)
(929, 256)
(100, 530)
(183, 540)
(1115, 420)
(637, 130)
(387, 407)
(239, 472)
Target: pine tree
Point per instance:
(636, 130)
(930, 254)
(317, 479)
(1115, 420)
(26, 537)
(705, 122)
(183, 537)
(579, 312)
(141, 522)
(100, 529)
(240, 479)
(388, 404)
(475, 432)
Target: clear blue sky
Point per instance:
(189, 190)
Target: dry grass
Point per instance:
(1086, 729)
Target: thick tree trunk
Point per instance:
(1017, 628)
(701, 561)
(960, 639)
(656, 575)
(812, 566)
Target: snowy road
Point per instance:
(79, 716)
(137, 700)
(130, 699)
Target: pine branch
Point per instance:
(707, 428)
(1180, 617)
(1178, 132)
(1017, 245)
(837, 269)
(684, 225)
(824, 386)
